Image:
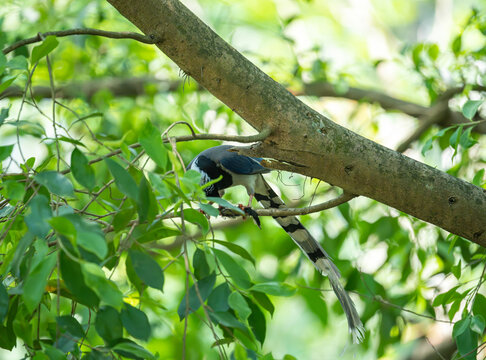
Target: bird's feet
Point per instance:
(249, 211)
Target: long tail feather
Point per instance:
(314, 251)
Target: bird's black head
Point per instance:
(209, 171)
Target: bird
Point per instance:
(234, 169)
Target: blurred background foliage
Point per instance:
(418, 289)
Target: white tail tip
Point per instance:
(358, 334)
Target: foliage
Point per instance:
(104, 251)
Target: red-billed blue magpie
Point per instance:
(235, 169)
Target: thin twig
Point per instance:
(237, 138)
(341, 199)
(435, 349)
(150, 39)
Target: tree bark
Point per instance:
(313, 145)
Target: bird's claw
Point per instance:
(249, 211)
(204, 213)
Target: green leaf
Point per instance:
(457, 45)
(237, 249)
(5, 151)
(274, 288)
(4, 114)
(226, 204)
(55, 182)
(477, 324)
(143, 203)
(28, 127)
(106, 290)
(49, 44)
(209, 210)
(7, 334)
(416, 54)
(204, 287)
(470, 108)
(14, 190)
(238, 303)
(130, 348)
(7, 81)
(191, 179)
(3, 302)
(200, 264)
(142, 235)
(218, 300)
(69, 140)
(122, 218)
(454, 139)
(18, 63)
(51, 352)
(132, 275)
(146, 202)
(467, 140)
(433, 51)
(456, 270)
(264, 301)
(466, 339)
(71, 325)
(35, 283)
(92, 242)
(29, 164)
(240, 352)
(74, 281)
(195, 217)
(151, 142)
(478, 178)
(446, 298)
(160, 186)
(123, 180)
(454, 308)
(257, 323)
(289, 357)
(237, 273)
(63, 226)
(479, 305)
(226, 319)
(40, 213)
(461, 326)
(21, 247)
(108, 324)
(136, 322)
(3, 62)
(82, 171)
(147, 269)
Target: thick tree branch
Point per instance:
(300, 135)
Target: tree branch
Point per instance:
(323, 89)
(302, 136)
(341, 199)
(436, 114)
(146, 39)
(136, 86)
(129, 87)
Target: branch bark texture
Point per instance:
(313, 145)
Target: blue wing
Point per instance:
(239, 164)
